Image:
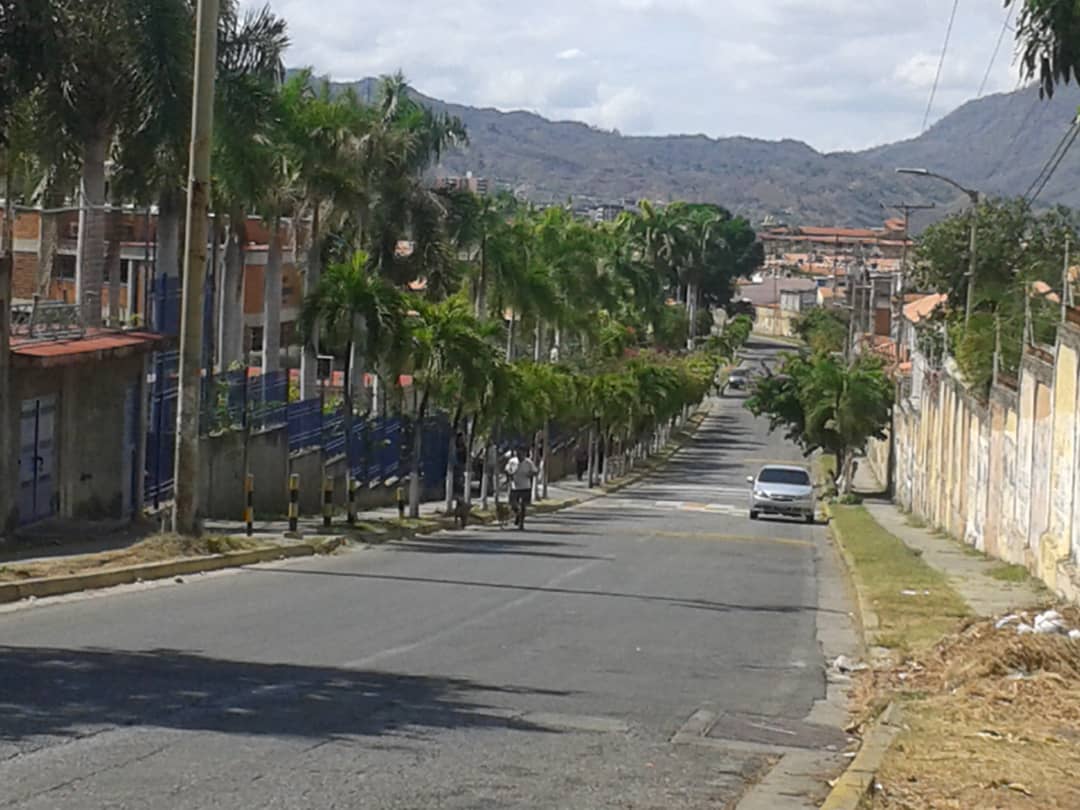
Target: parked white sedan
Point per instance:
(782, 490)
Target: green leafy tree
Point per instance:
(824, 330)
(824, 404)
(354, 308)
(1048, 39)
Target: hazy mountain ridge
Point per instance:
(997, 144)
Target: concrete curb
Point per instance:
(858, 779)
(868, 618)
(75, 583)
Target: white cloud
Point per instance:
(835, 73)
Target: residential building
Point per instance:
(45, 266)
(477, 185)
(830, 252)
(80, 397)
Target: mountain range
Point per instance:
(997, 144)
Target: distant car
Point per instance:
(738, 379)
(782, 490)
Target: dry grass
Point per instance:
(992, 720)
(153, 549)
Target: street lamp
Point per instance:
(974, 197)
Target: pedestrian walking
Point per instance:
(521, 471)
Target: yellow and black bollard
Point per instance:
(328, 501)
(401, 503)
(249, 504)
(294, 502)
(352, 485)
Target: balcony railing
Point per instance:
(47, 320)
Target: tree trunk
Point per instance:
(538, 341)
(271, 346)
(90, 270)
(510, 341)
(168, 246)
(9, 412)
(545, 460)
(846, 466)
(348, 425)
(48, 242)
(481, 287)
(451, 461)
(485, 477)
(414, 472)
(231, 346)
(592, 456)
(112, 264)
(309, 358)
(691, 312)
(470, 427)
(605, 462)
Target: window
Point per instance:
(774, 475)
(64, 267)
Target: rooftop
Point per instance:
(94, 345)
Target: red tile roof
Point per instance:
(95, 345)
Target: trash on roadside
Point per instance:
(844, 664)
(1005, 621)
(1023, 629)
(1050, 623)
(1074, 635)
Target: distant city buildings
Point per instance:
(825, 252)
(477, 185)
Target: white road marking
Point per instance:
(390, 652)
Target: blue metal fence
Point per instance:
(305, 421)
(161, 428)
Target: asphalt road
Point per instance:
(544, 669)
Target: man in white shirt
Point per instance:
(521, 471)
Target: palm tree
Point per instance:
(353, 308)
(104, 75)
(250, 71)
(453, 359)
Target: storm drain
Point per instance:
(776, 731)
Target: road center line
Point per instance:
(733, 538)
(390, 652)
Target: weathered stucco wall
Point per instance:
(1001, 476)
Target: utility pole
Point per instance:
(1066, 283)
(186, 480)
(901, 283)
(9, 482)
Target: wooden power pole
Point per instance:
(186, 480)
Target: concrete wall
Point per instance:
(221, 461)
(1002, 475)
(774, 322)
(92, 475)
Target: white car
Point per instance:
(780, 489)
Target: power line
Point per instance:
(1007, 151)
(1074, 131)
(941, 63)
(1052, 162)
(997, 47)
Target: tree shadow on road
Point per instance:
(668, 600)
(480, 544)
(49, 692)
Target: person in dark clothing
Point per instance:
(581, 460)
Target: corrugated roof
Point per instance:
(96, 344)
(924, 307)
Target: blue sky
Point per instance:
(837, 74)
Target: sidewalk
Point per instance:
(976, 577)
(311, 527)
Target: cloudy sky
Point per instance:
(837, 74)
